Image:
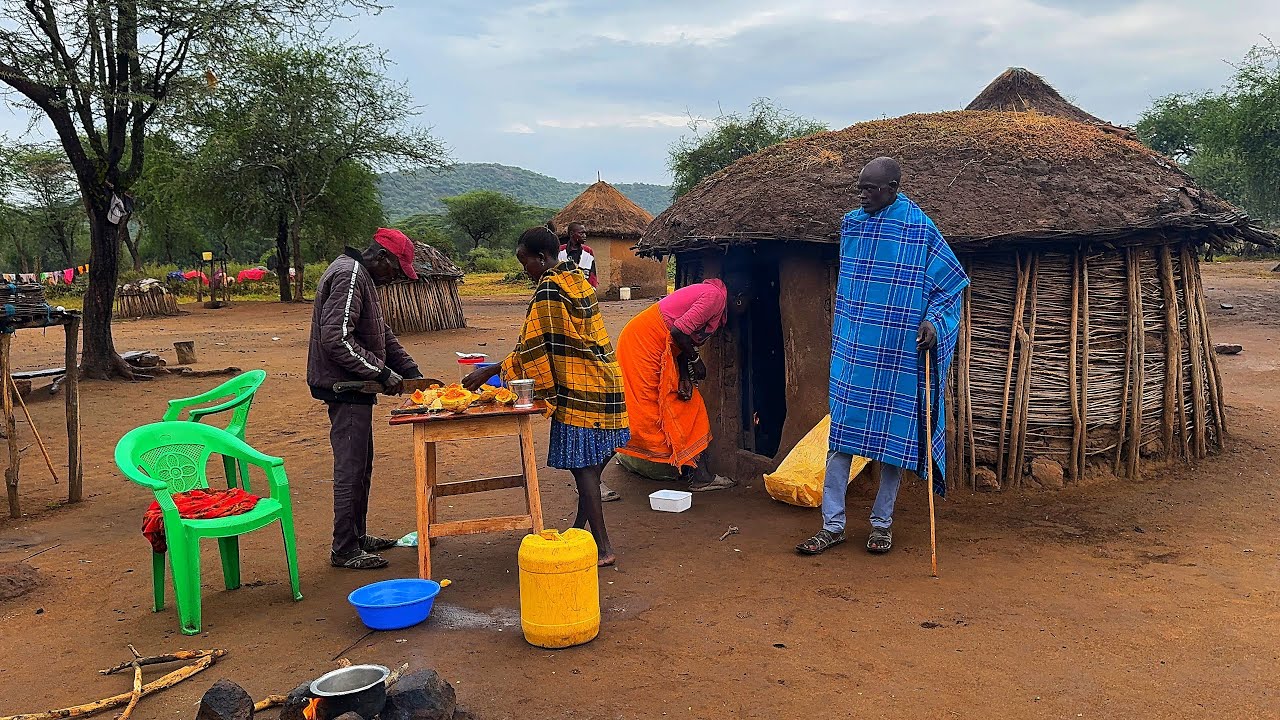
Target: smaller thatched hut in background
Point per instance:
(429, 303)
(614, 224)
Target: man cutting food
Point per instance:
(350, 341)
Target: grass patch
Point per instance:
(492, 284)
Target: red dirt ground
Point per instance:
(1115, 600)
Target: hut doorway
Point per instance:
(763, 363)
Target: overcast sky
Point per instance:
(574, 87)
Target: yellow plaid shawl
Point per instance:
(565, 350)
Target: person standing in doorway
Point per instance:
(577, 250)
(898, 300)
(350, 340)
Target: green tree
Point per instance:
(729, 138)
(1228, 140)
(101, 71)
(349, 213)
(290, 120)
(482, 214)
(43, 186)
(168, 207)
(433, 230)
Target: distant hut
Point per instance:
(614, 224)
(1084, 342)
(145, 299)
(429, 303)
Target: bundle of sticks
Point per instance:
(198, 660)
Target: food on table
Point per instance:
(455, 397)
(418, 397)
(504, 396)
(487, 393)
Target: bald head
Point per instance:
(878, 184)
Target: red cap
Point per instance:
(398, 244)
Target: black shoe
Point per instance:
(359, 561)
(373, 543)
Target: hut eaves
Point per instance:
(606, 212)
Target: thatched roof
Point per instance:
(984, 177)
(430, 262)
(606, 212)
(1020, 90)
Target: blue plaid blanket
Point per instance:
(895, 271)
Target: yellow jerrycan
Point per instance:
(559, 588)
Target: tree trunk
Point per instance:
(295, 234)
(133, 244)
(282, 256)
(100, 359)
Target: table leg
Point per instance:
(424, 466)
(529, 460)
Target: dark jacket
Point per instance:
(350, 340)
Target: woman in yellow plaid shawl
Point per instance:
(565, 350)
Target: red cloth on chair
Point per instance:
(198, 504)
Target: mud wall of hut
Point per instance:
(619, 266)
(1064, 356)
(806, 280)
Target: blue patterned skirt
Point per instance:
(578, 447)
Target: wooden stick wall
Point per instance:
(422, 306)
(1094, 360)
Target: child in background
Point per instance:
(565, 350)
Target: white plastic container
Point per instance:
(624, 293)
(671, 500)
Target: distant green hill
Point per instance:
(405, 194)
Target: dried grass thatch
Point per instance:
(430, 262)
(1020, 90)
(986, 178)
(605, 212)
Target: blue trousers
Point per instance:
(836, 485)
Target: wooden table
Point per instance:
(484, 421)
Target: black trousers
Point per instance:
(351, 437)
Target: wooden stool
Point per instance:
(483, 422)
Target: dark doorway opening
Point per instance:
(764, 370)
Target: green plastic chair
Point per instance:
(171, 457)
(241, 390)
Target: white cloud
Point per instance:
(616, 120)
(518, 129)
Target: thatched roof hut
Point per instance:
(614, 223)
(1020, 90)
(1084, 341)
(429, 303)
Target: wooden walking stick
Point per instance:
(928, 454)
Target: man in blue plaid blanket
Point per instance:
(898, 300)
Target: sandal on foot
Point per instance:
(373, 543)
(360, 561)
(880, 541)
(719, 482)
(608, 494)
(820, 543)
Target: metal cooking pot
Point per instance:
(360, 688)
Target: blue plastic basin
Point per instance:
(394, 604)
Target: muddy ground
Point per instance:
(1114, 600)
